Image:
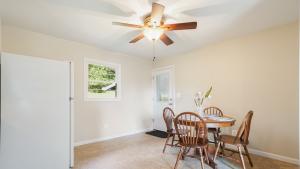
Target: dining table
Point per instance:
(217, 122)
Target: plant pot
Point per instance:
(200, 111)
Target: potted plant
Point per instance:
(200, 100)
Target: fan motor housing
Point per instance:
(147, 20)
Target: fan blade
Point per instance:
(166, 39)
(127, 24)
(180, 26)
(157, 13)
(139, 37)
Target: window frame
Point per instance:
(117, 68)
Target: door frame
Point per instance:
(72, 115)
(155, 71)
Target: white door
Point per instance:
(35, 113)
(163, 85)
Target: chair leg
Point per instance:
(206, 154)
(201, 158)
(248, 155)
(218, 134)
(216, 138)
(183, 153)
(178, 157)
(223, 149)
(168, 137)
(241, 156)
(216, 153)
(173, 138)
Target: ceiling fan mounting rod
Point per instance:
(154, 52)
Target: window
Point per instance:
(102, 80)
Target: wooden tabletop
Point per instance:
(218, 122)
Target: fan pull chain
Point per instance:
(154, 53)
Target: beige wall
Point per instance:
(257, 72)
(94, 119)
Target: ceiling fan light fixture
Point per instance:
(154, 26)
(153, 33)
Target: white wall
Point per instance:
(93, 120)
(299, 83)
(0, 34)
(257, 72)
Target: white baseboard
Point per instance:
(274, 156)
(270, 155)
(109, 137)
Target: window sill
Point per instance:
(102, 99)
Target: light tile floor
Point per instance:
(145, 152)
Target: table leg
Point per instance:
(210, 161)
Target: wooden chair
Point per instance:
(169, 116)
(194, 135)
(215, 131)
(240, 140)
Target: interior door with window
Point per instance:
(163, 85)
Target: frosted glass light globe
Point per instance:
(153, 33)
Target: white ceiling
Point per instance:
(89, 21)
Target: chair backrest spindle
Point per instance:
(190, 128)
(213, 111)
(168, 116)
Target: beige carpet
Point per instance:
(145, 152)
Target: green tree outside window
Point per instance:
(101, 81)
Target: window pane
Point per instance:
(102, 81)
(162, 87)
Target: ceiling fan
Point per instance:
(154, 27)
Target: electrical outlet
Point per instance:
(233, 132)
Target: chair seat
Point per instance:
(228, 139)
